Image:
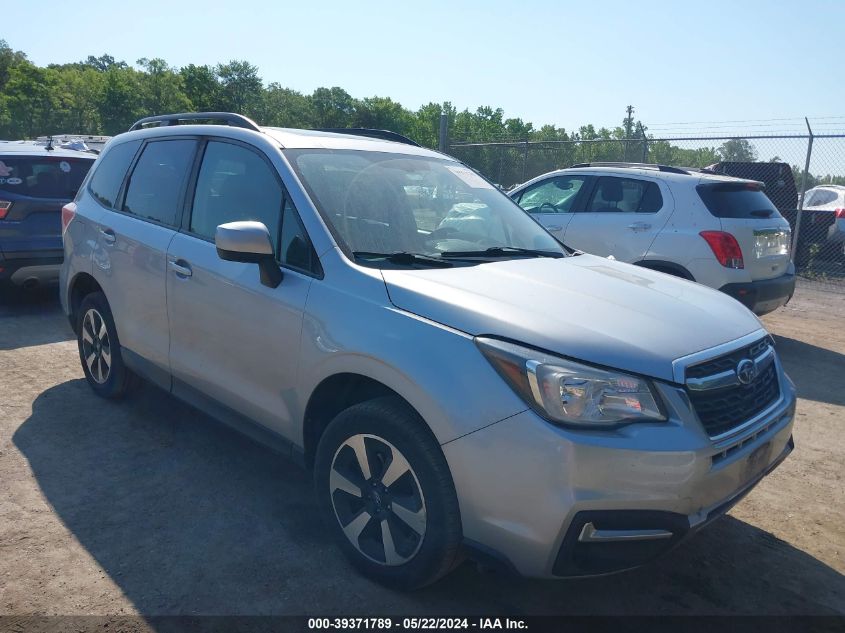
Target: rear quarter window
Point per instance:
(110, 171)
(736, 200)
(156, 185)
(56, 177)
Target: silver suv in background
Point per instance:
(456, 387)
(720, 231)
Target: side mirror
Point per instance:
(249, 242)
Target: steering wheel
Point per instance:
(553, 208)
(467, 236)
(442, 231)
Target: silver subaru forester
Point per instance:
(459, 381)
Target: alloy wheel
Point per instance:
(377, 499)
(96, 346)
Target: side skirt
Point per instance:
(212, 407)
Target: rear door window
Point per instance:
(625, 195)
(157, 184)
(107, 178)
(56, 177)
(736, 200)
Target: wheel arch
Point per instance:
(670, 268)
(336, 393)
(81, 286)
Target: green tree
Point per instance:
(425, 124)
(78, 89)
(120, 101)
(103, 63)
(737, 150)
(382, 113)
(333, 107)
(284, 107)
(162, 89)
(31, 100)
(240, 88)
(9, 59)
(201, 88)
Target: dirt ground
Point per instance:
(149, 507)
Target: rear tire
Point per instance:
(99, 348)
(386, 492)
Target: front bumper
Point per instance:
(601, 542)
(765, 295)
(527, 489)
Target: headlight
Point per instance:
(569, 392)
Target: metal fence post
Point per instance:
(524, 159)
(501, 164)
(444, 130)
(645, 144)
(800, 211)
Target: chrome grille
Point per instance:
(728, 362)
(721, 402)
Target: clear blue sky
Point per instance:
(560, 62)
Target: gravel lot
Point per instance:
(147, 506)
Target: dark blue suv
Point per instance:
(35, 182)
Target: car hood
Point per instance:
(584, 307)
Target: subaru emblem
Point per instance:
(746, 371)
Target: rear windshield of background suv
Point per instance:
(736, 200)
(43, 176)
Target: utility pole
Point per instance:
(629, 121)
(629, 127)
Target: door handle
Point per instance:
(181, 268)
(554, 227)
(108, 236)
(639, 226)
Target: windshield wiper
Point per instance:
(405, 258)
(502, 251)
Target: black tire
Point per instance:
(114, 382)
(438, 550)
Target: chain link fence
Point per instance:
(804, 177)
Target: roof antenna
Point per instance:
(49, 147)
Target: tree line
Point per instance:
(101, 95)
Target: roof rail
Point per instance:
(667, 168)
(385, 135)
(229, 118)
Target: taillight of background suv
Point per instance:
(725, 248)
(68, 213)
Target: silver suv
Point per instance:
(470, 388)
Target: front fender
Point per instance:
(438, 370)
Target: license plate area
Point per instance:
(771, 243)
(757, 461)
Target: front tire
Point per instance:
(386, 492)
(99, 348)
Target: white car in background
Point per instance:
(720, 231)
(829, 198)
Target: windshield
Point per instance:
(43, 177)
(388, 203)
